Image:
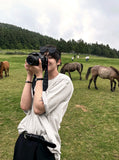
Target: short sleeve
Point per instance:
(58, 94)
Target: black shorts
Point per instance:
(29, 150)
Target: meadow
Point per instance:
(89, 130)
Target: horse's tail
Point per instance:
(88, 72)
(81, 67)
(117, 72)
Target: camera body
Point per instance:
(33, 59)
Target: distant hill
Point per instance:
(13, 37)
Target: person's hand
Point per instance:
(37, 70)
(28, 69)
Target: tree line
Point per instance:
(13, 37)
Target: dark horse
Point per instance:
(4, 66)
(71, 67)
(110, 73)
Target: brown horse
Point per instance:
(4, 66)
(110, 73)
(71, 67)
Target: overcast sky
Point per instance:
(90, 20)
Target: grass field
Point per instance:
(89, 130)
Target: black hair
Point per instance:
(53, 51)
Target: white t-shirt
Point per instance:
(55, 99)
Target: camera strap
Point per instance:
(34, 83)
(45, 81)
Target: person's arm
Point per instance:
(26, 98)
(38, 103)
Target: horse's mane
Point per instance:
(115, 70)
(65, 65)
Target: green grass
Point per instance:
(88, 133)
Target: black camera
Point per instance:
(33, 59)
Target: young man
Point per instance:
(39, 138)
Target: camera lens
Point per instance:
(32, 60)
